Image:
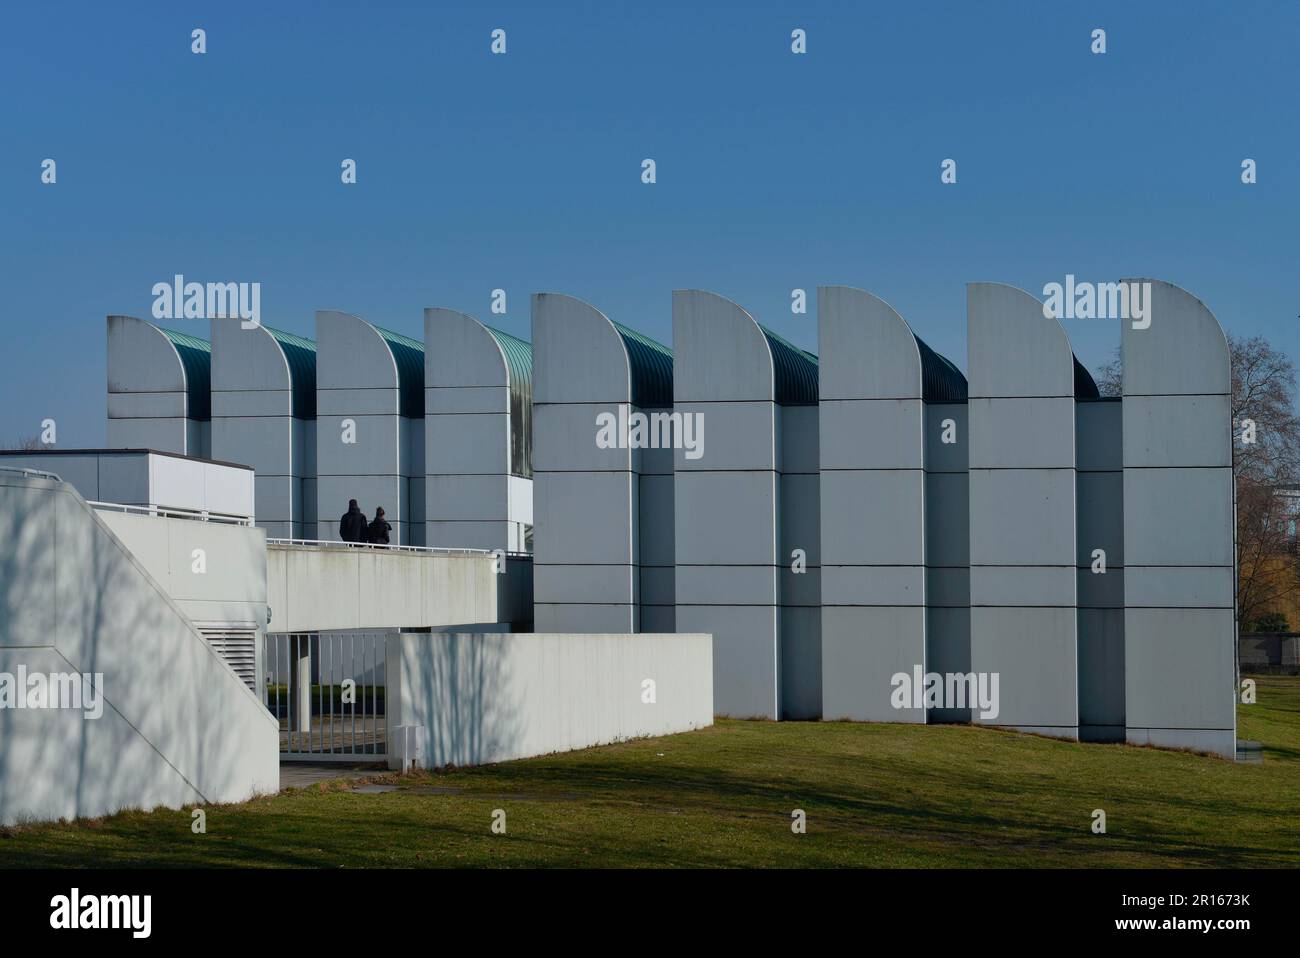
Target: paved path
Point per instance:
(302, 774)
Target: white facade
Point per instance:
(478, 435)
(157, 388)
(263, 415)
(369, 426)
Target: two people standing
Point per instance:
(353, 526)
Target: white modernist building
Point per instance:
(746, 510)
(478, 434)
(369, 425)
(158, 388)
(833, 524)
(604, 510)
(264, 415)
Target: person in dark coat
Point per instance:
(379, 528)
(353, 525)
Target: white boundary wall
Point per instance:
(480, 698)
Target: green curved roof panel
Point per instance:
(300, 354)
(794, 371)
(519, 371)
(941, 381)
(651, 365)
(408, 353)
(196, 358)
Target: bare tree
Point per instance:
(26, 444)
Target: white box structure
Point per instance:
(604, 543)
(264, 415)
(478, 403)
(745, 504)
(1179, 583)
(158, 388)
(878, 382)
(369, 425)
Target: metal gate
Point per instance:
(328, 691)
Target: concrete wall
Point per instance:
(319, 588)
(489, 697)
(232, 586)
(140, 478)
(873, 497)
(148, 406)
(947, 547)
(357, 379)
(253, 423)
(726, 501)
(1023, 576)
(1179, 592)
(1100, 500)
(474, 499)
(178, 726)
(587, 540)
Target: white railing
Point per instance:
(36, 473)
(167, 512)
(339, 544)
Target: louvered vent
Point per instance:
(239, 648)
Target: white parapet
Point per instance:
(478, 698)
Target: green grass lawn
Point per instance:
(875, 795)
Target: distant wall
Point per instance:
(178, 726)
(489, 697)
(319, 588)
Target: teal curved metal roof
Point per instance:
(300, 354)
(794, 372)
(941, 381)
(651, 366)
(196, 358)
(408, 353)
(519, 375)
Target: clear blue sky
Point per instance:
(523, 171)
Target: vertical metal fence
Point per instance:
(328, 691)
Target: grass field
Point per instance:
(874, 795)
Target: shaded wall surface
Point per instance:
(178, 726)
(480, 698)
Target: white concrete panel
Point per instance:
(745, 671)
(483, 698)
(737, 435)
(871, 434)
(1033, 433)
(1177, 517)
(873, 518)
(1178, 430)
(1022, 517)
(583, 517)
(725, 518)
(862, 649)
(1034, 653)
